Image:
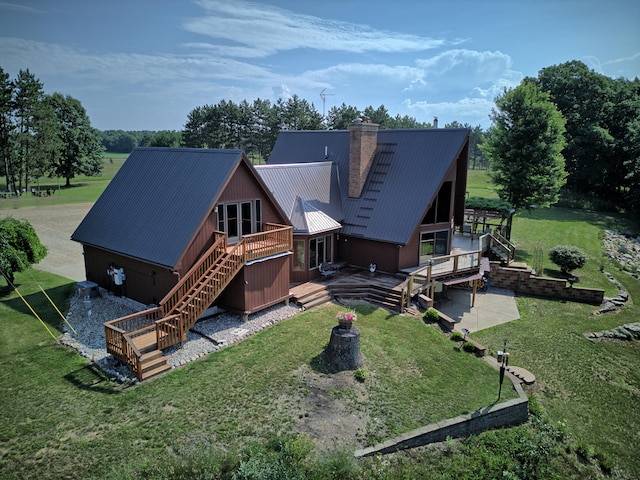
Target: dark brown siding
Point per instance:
(243, 186)
(361, 252)
(258, 285)
(144, 283)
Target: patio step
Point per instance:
(153, 364)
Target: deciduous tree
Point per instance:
(524, 146)
(20, 247)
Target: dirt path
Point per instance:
(54, 225)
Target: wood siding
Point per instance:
(258, 285)
(360, 252)
(145, 283)
(244, 185)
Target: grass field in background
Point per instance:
(83, 189)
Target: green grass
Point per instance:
(83, 189)
(479, 184)
(61, 418)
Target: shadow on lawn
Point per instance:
(39, 302)
(92, 379)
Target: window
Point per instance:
(298, 254)
(319, 251)
(239, 218)
(433, 244)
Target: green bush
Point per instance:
(489, 204)
(469, 347)
(567, 257)
(431, 315)
(457, 337)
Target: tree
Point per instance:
(600, 112)
(6, 126)
(524, 147)
(81, 146)
(339, 118)
(20, 247)
(28, 93)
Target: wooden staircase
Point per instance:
(316, 294)
(138, 340)
(501, 248)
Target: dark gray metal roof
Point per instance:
(309, 193)
(405, 176)
(157, 201)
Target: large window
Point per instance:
(433, 244)
(239, 218)
(319, 251)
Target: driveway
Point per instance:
(54, 225)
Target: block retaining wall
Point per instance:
(523, 281)
(505, 414)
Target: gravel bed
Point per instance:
(213, 332)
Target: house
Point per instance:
(165, 208)
(184, 229)
(368, 196)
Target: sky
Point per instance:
(145, 64)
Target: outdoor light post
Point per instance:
(503, 365)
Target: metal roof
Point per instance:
(155, 204)
(309, 193)
(407, 170)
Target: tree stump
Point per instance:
(343, 352)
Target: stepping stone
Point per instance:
(525, 375)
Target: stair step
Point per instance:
(146, 357)
(316, 301)
(152, 364)
(155, 372)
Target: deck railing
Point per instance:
(445, 266)
(193, 294)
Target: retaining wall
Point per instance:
(509, 413)
(523, 281)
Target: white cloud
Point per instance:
(474, 111)
(255, 30)
(461, 68)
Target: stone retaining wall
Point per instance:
(505, 414)
(523, 281)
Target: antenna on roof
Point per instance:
(324, 96)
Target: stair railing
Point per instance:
(503, 245)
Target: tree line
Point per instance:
(43, 135)
(570, 132)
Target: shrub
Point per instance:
(469, 347)
(457, 337)
(567, 257)
(431, 315)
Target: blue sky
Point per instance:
(145, 64)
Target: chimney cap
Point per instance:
(357, 121)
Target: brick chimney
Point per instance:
(363, 140)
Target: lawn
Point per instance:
(83, 189)
(61, 418)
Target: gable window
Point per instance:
(237, 219)
(440, 209)
(319, 251)
(433, 244)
